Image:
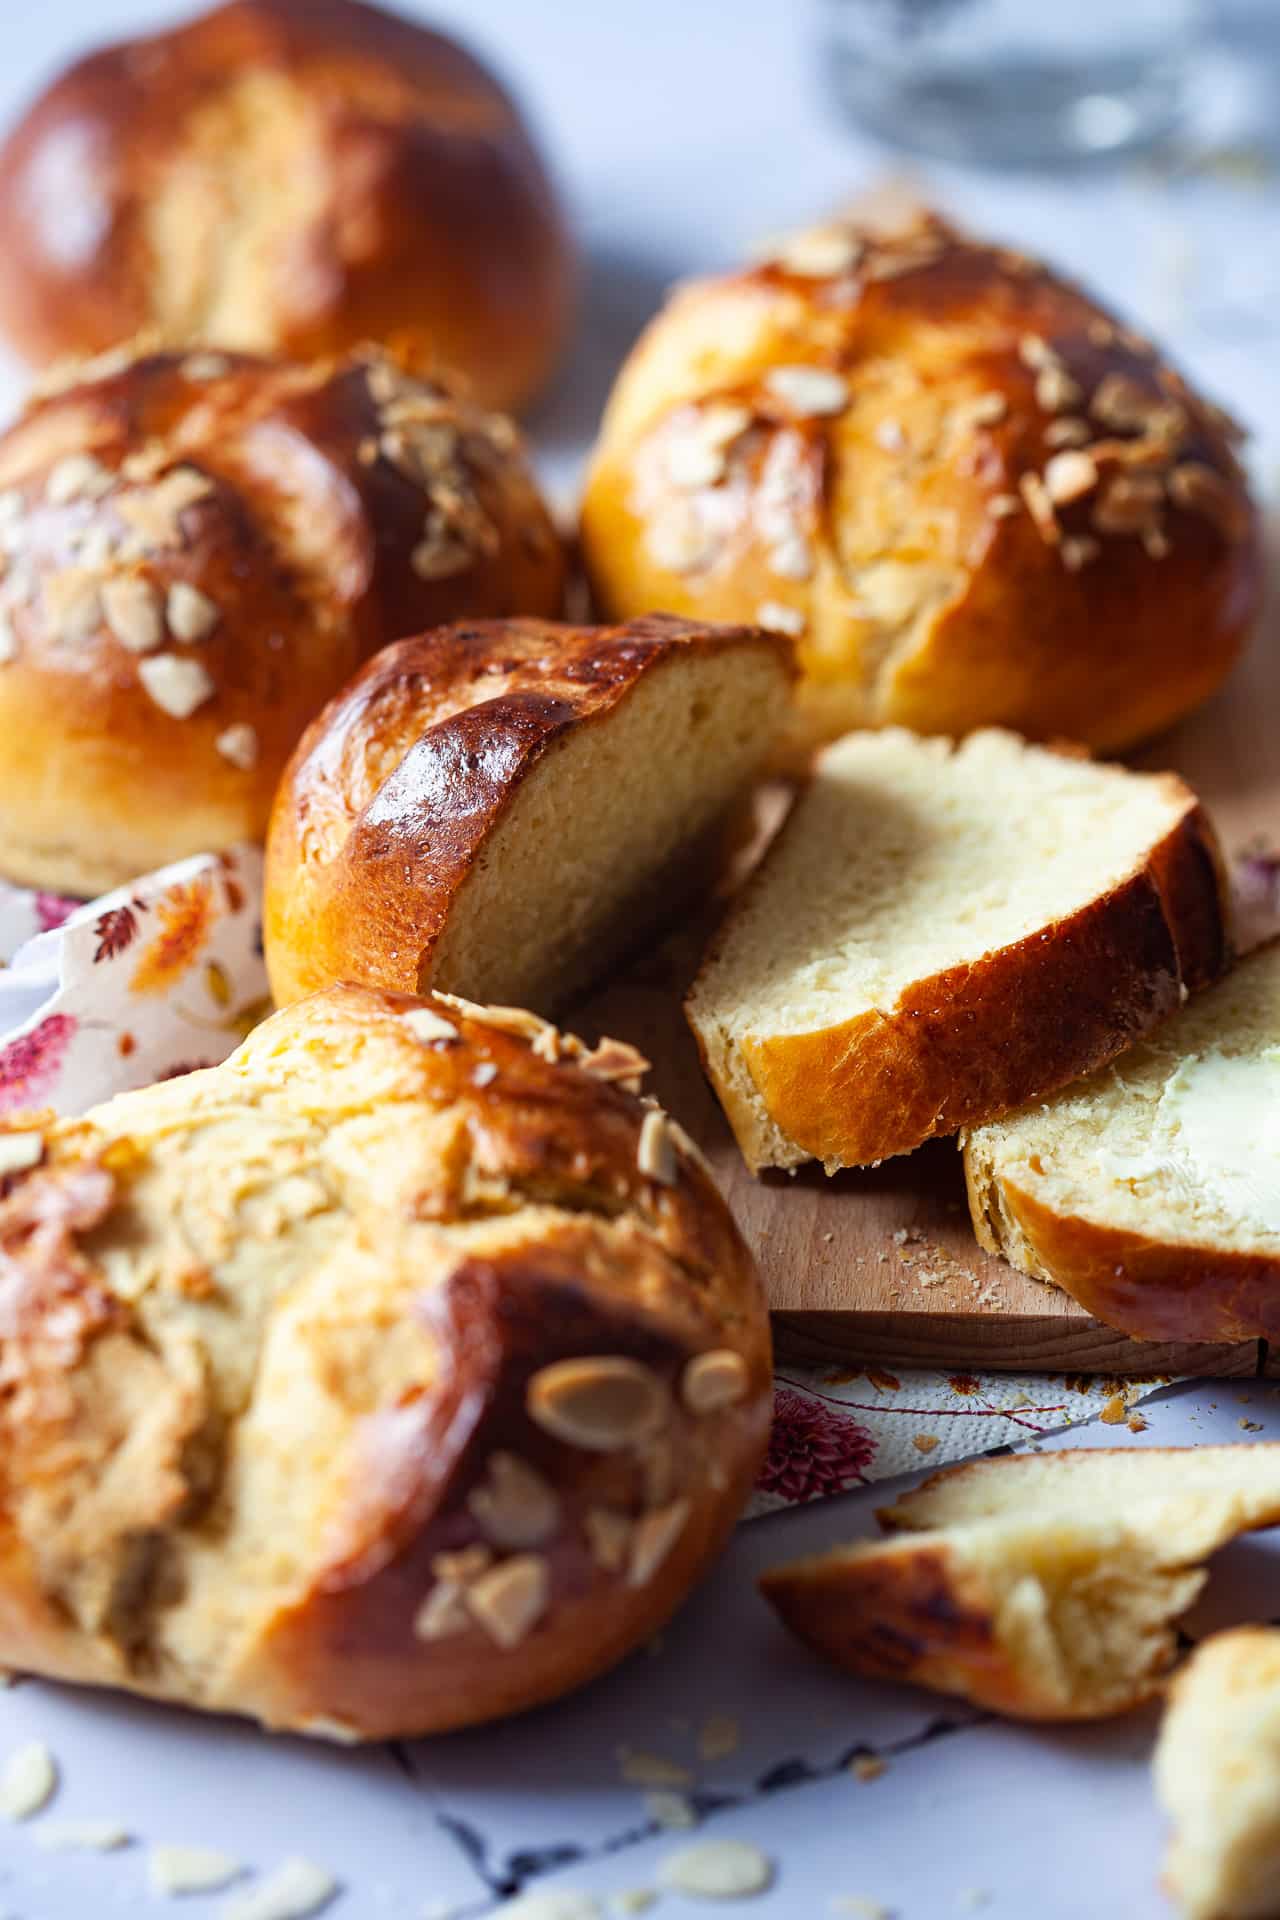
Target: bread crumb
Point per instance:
(1115, 1412)
(641, 1769)
(924, 1442)
(720, 1735)
(867, 1766)
(1136, 1423)
(671, 1809)
(28, 1782)
(717, 1870)
(177, 1869)
(1249, 1426)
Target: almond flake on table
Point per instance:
(176, 1869)
(667, 1809)
(28, 1781)
(717, 1870)
(553, 1904)
(82, 1836)
(294, 1889)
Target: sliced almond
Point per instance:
(77, 476)
(640, 1768)
(131, 608)
(1197, 487)
(677, 541)
(239, 745)
(18, 1151)
(155, 512)
(1121, 401)
(509, 1601)
(1068, 430)
(790, 557)
(652, 1539)
(205, 366)
(779, 618)
(819, 253)
(655, 1151)
(608, 1536)
(984, 410)
(175, 685)
(714, 1380)
(717, 1870)
(190, 614)
(1069, 476)
(1056, 390)
(443, 1613)
(27, 1781)
(428, 1026)
(1129, 502)
(172, 1870)
(82, 1836)
(1002, 506)
(1040, 507)
(808, 392)
(616, 1061)
(515, 1506)
(601, 1402)
(292, 1890)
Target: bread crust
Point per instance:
(1151, 1289)
(979, 1039)
(296, 176)
(395, 790)
(303, 529)
(264, 1516)
(893, 533)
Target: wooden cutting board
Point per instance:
(882, 1266)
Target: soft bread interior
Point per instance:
(1178, 1141)
(1073, 1572)
(1217, 1775)
(907, 856)
(604, 836)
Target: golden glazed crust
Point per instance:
(292, 176)
(200, 549)
(361, 1384)
(395, 791)
(993, 505)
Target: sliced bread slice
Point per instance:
(1217, 1776)
(944, 931)
(1046, 1594)
(1151, 1191)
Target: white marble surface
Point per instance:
(685, 130)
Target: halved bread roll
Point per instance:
(1045, 1589)
(1217, 1776)
(500, 809)
(942, 932)
(1151, 1192)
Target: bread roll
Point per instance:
(198, 551)
(292, 176)
(971, 496)
(1044, 1589)
(941, 932)
(1151, 1192)
(401, 1372)
(502, 809)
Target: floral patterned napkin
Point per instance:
(167, 974)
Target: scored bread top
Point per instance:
(490, 807)
(971, 494)
(401, 1298)
(1151, 1191)
(943, 930)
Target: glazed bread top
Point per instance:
(970, 494)
(499, 808)
(401, 1371)
(296, 176)
(199, 549)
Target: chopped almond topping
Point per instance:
(808, 391)
(131, 608)
(509, 1601)
(190, 614)
(655, 1153)
(239, 745)
(1069, 476)
(176, 685)
(652, 1538)
(1040, 507)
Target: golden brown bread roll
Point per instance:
(293, 176)
(401, 1372)
(198, 551)
(970, 495)
(502, 809)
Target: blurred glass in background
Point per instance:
(1014, 82)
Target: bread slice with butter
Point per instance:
(1151, 1191)
(941, 932)
(1217, 1776)
(1044, 1588)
